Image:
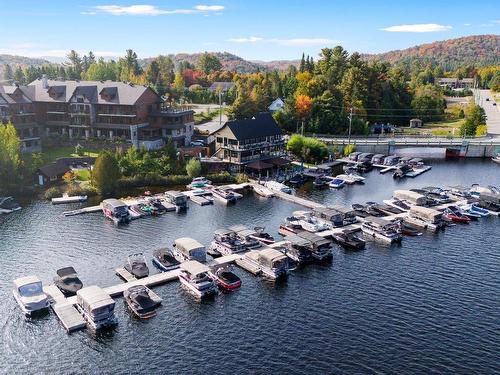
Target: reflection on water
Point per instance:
(428, 306)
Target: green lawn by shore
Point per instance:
(51, 154)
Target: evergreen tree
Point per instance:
(8, 74)
(106, 173)
(10, 159)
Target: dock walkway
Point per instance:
(69, 316)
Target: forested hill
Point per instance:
(22, 61)
(478, 50)
(229, 61)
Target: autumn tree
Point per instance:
(209, 63)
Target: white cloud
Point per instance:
(496, 21)
(149, 10)
(417, 28)
(250, 39)
(467, 24)
(209, 8)
(303, 42)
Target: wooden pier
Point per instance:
(82, 211)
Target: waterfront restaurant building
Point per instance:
(243, 142)
(94, 109)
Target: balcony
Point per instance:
(254, 146)
(117, 115)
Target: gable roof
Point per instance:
(261, 125)
(121, 92)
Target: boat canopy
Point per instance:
(317, 241)
(298, 241)
(328, 213)
(26, 280)
(112, 202)
(194, 267)
(343, 210)
(93, 298)
(380, 221)
(238, 228)
(410, 196)
(269, 257)
(490, 197)
(223, 232)
(188, 245)
(429, 214)
(66, 271)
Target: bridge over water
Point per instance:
(466, 147)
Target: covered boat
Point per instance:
(385, 230)
(321, 248)
(194, 276)
(411, 196)
(272, 263)
(67, 281)
(136, 265)
(349, 240)
(297, 249)
(186, 248)
(165, 260)
(227, 241)
(115, 210)
(177, 198)
(29, 294)
(424, 217)
(96, 306)
(139, 300)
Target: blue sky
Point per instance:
(253, 29)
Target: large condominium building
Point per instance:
(93, 109)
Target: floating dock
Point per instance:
(202, 201)
(67, 199)
(67, 313)
(82, 211)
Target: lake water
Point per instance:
(430, 305)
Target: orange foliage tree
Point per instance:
(303, 106)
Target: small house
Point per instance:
(415, 123)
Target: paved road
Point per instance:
(492, 111)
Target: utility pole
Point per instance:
(350, 126)
(220, 108)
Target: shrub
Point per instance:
(79, 150)
(73, 190)
(481, 130)
(222, 177)
(349, 149)
(193, 168)
(241, 178)
(52, 192)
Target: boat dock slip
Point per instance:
(124, 274)
(294, 199)
(221, 261)
(418, 171)
(84, 210)
(247, 266)
(69, 316)
(202, 201)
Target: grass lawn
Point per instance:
(448, 128)
(200, 118)
(51, 154)
(82, 175)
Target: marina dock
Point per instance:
(67, 313)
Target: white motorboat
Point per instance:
(496, 158)
(226, 242)
(381, 229)
(224, 196)
(97, 307)
(29, 294)
(195, 278)
(336, 183)
(199, 182)
(8, 205)
(278, 186)
(186, 248)
(273, 264)
(346, 178)
(263, 191)
(311, 223)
